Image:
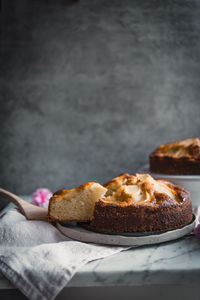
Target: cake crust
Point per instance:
(157, 212)
(113, 218)
(178, 158)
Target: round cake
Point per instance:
(138, 203)
(178, 158)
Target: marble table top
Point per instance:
(176, 262)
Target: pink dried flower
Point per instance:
(41, 197)
(197, 231)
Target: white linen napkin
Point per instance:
(38, 259)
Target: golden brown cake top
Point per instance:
(189, 148)
(142, 189)
(69, 194)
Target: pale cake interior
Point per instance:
(76, 204)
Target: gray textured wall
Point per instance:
(89, 89)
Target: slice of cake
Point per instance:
(181, 158)
(138, 203)
(76, 204)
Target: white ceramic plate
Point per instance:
(81, 234)
(189, 182)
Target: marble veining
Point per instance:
(174, 262)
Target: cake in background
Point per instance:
(178, 158)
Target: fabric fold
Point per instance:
(38, 259)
